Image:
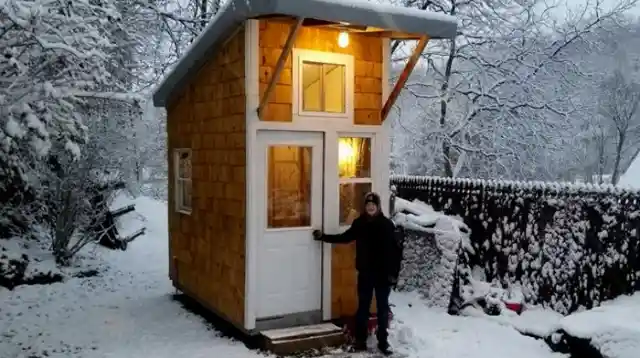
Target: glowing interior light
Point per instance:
(347, 156)
(343, 39)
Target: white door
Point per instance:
(289, 260)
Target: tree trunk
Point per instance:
(616, 164)
(444, 98)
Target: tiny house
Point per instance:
(276, 127)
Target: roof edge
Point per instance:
(236, 12)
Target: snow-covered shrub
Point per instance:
(431, 246)
(565, 245)
(75, 202)
(22, 262)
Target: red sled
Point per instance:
(350, 324)
(513, 306)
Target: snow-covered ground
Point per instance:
(613, 328)
(128, 312)
(425, 333)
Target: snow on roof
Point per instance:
(359, 12)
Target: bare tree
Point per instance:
(492, 97)
(619, 104)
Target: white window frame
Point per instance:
(372, 170)
(179, 182)
(303, 55)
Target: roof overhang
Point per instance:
(354, 15)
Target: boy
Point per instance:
(378, 257)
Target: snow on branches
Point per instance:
(54, 58)
(506, 86)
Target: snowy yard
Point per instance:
(128, 312)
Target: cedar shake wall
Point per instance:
(367, 53)
(367, 104)
(207, 248)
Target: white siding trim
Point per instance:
(330, 221)
(252, 88)
(385, 137)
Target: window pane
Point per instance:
(311, 86)
(184, 164)
(185, 195)
(354, 157)
(288, 186)
(334, 88)
(352, 201)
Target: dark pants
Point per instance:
(367, 284)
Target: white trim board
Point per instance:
(385, 136)
(252, 88)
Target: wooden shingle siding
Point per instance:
(207, 248)
(367, 53)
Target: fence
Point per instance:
(566, 245)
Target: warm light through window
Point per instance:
(346, 157)
(354, 168)
(354, 157)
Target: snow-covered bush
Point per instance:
(70, 210)
(431, 246)
(565, 245)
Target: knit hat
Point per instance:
(372, 197)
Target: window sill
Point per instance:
(323, 114)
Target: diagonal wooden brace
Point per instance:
(291, 39)
(404, 76)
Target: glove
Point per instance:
(317, 235)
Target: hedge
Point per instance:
(565, 245)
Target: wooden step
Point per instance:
(299, 339)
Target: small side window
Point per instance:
(183, 180)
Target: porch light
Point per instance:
(343, 39)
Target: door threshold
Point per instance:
(289, 320)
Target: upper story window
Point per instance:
(323, 84)
(323, 87)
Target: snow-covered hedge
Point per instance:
(432, 242)
(566, 245)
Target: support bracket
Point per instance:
(404, 76)
(291, 39)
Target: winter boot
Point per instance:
(385, 349)
(359, 347)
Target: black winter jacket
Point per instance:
(377, 251)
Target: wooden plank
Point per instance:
(290, 347)
(301, 331)
(404, 76)
(293, 34)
